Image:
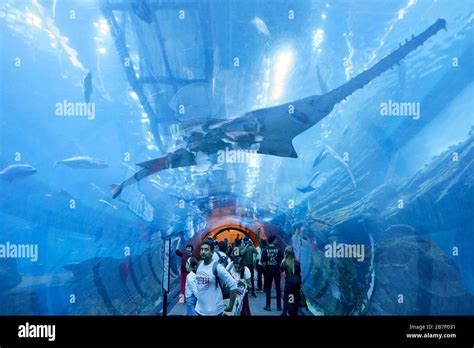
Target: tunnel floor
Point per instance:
(256, 306)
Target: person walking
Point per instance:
(211, 279)
(271, 259)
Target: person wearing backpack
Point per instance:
(241, 274)
(213, 280)
(271, 259)
(221, 255)
(247, 252)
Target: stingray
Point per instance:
(270, 131)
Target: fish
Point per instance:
(87, 87)
(308, 187)
(344, 131)
(16, 171)
(315, 175)
(319, 158)
(341, 160)
(97, 188)
(103, 201)
(64, 193)
(82, 162)
(260, 25)
(271, 125)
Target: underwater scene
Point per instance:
(332, 140)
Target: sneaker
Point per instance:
(267, 308)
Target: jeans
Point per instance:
(182, 277)
(218, 315)
(251, 269)
(290, 302)
(190, 304)
(260, 276)
(273, 273)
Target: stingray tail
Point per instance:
(116, 190)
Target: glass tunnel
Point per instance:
(132, 129)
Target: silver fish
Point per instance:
(15, 171)
(83, 162)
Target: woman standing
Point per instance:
(291, 294)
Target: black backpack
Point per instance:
(223, 260)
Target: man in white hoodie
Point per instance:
(210, 277)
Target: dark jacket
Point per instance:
(247, 252)
(292, 280)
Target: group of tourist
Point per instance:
(227, 271)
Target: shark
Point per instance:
(271, 130)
